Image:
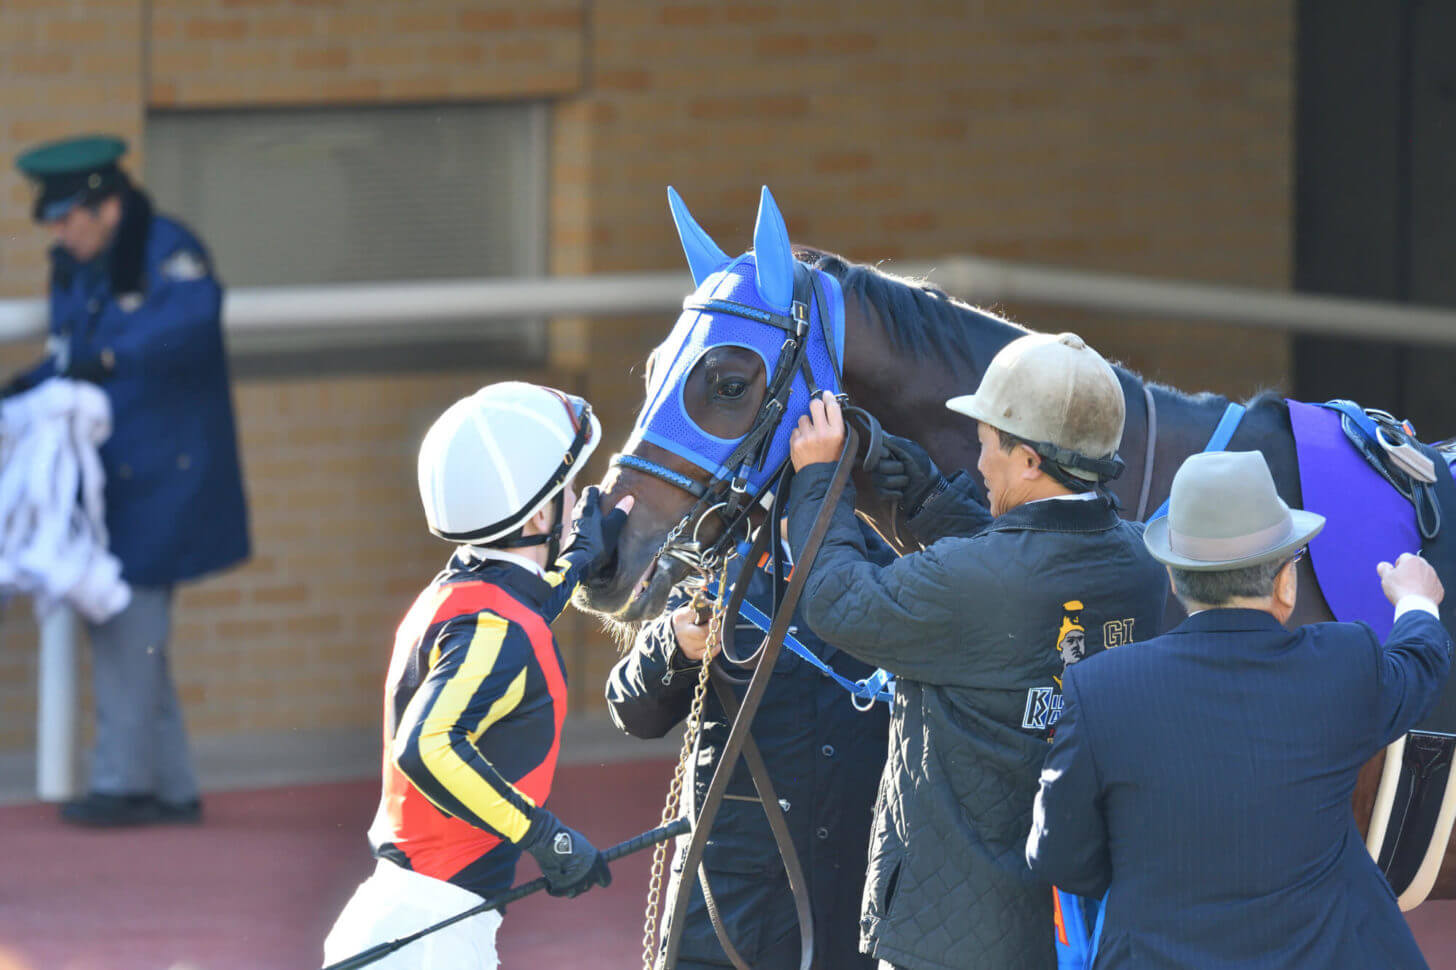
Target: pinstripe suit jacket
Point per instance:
(1206, 775)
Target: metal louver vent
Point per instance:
(340, 195)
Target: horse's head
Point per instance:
(757, 338)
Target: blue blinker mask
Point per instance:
(755, 302)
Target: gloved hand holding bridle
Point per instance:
(570, 863)
(905, 472)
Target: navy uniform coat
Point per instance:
(174, 490)
(1206, 774)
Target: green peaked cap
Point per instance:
(70, 171)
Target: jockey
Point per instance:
(476, 690)
(977, 628)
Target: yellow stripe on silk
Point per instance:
(502, 707)
(455, 774)
(558, 572)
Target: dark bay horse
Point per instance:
(907, 348)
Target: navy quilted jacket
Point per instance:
(977, 630)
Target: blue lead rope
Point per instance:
(878, 686)
(1097, 931)
(1222, 435)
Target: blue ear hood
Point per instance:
(704, 256)
(773, 256)
(727, 310)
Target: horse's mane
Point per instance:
(925, 321)
(919, 318)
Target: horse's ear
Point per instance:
(772, 254)
(704, 256)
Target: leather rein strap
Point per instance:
(773, 809)
(1151, 452)
(741, 743)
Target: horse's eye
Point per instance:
(732, 389)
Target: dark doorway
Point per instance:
(1375, 194)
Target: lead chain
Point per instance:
(672, 806)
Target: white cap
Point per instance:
(1052, 389)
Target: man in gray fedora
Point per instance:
(1202, 779)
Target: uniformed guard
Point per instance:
(135, 309)
(977, 629)
(476, 691)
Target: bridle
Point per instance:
(730, 495)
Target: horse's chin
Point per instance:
(643, 600)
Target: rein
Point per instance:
(740, 742)
(728, 493)
(1150, 452)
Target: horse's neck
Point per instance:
(907, 391)
(1178, 426)
(1184, 426)
(907, 396)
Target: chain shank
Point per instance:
(739, 732)
(673, 804)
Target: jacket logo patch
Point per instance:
(1072, 637)
(129, 302)
(184, 265)
(1044, 704)
(1117, 632)
(1043, 708)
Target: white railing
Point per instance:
(341, 314)
(338, 314)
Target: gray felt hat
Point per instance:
(1224, 513)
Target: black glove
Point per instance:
(593, 536)
(903, 471)
(570, 863)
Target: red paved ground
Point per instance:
(257, 886)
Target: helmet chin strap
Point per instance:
(553, 548)
(551, 540)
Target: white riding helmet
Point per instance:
(1059, 394)
(495, 458)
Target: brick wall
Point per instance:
(1144, 136)
(251, 52)
(64, 68)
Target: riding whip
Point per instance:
(382, 950)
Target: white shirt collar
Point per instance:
(479, 553)
(1072, 497)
